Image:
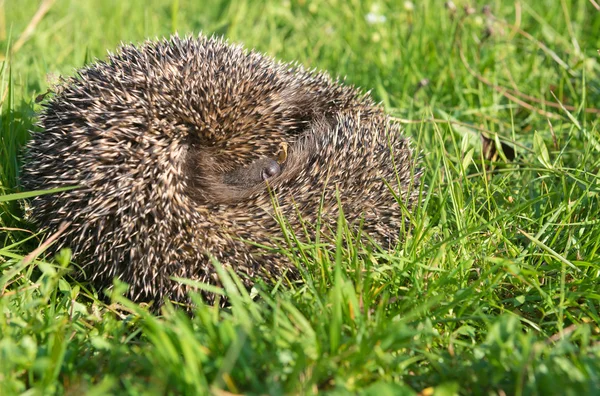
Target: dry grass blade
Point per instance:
(16, 229)
(517, 96)
(511, 92)
(28, 32)
(541, 45)
(47, 242)
(459, 123)
(503, 91)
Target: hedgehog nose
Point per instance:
(271, 169)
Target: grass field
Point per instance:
(494, 289)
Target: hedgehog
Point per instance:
(187, 150)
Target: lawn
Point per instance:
(494, 288)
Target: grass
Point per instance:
(495, 288)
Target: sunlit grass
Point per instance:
(494, 288)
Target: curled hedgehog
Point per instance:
(188, 149)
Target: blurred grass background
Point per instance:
(493, 291)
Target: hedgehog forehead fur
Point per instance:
(179, 147)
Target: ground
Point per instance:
(494, 288)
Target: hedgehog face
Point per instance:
(217, 187)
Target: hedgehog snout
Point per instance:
(271, 169)
(257, 172)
